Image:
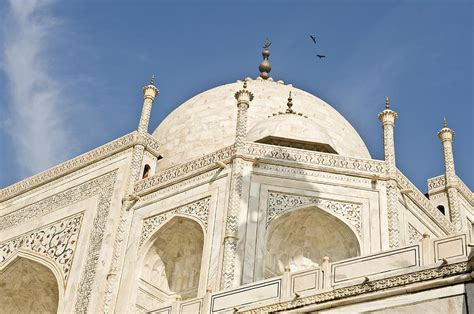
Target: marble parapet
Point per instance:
(431, 262)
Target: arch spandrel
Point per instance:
(171, 262)
(30, 284)
(300, 238)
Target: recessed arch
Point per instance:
(171, 262)
(29, 284)
(300, 239)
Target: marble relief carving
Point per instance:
(322, 159)
(414, 236)
(280, 202)
(68, 166)
(56, 201)
(56, 241)
(198, 209)
(421, 200)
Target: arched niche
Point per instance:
(27, 286)
(172, 263)
(301, 238)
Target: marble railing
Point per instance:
(430, 259)
(183, 170)
(315, 158)
(424, 204)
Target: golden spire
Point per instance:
(387, 104)
(265, 66)
(289, 104)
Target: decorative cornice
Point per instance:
(81, 161)
(68, 166)
(181, 171)
(371, 286)
(436, 182)
(366, 166)
(439, 183)
(57, 201)
(426, 207)
(465, 191)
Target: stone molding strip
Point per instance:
(439, 183)
(252, 150)
(182, 171)
(316, 158)
(371, 286)
(436, 182)
(465, 191)
(425, 205)
(79, 162)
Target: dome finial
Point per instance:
(152, 80)
(265, 66)
(387, 103)
(289, 104)
(444, 123)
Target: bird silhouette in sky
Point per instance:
(313, 39)
(321, 56)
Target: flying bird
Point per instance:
(313, 39)
(320, 56)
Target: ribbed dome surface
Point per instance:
(206, 122)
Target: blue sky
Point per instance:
(71, 72)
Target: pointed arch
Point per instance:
(171, 262)
(29, 283)
(301, 237)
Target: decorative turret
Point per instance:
(243, 97)
(446, 135)
(149, 94)
(265, 66)
(388, 117)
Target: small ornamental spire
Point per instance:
(289, 104)
(265, 66)
(152, 81)
(387, 104)
(445, 125)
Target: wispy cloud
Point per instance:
(36, 119)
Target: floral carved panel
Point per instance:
(414, 236)
(198, 209)
(280, 202)
(56, 241)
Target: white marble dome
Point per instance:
(206, 122)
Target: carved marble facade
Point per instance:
(224, 224)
